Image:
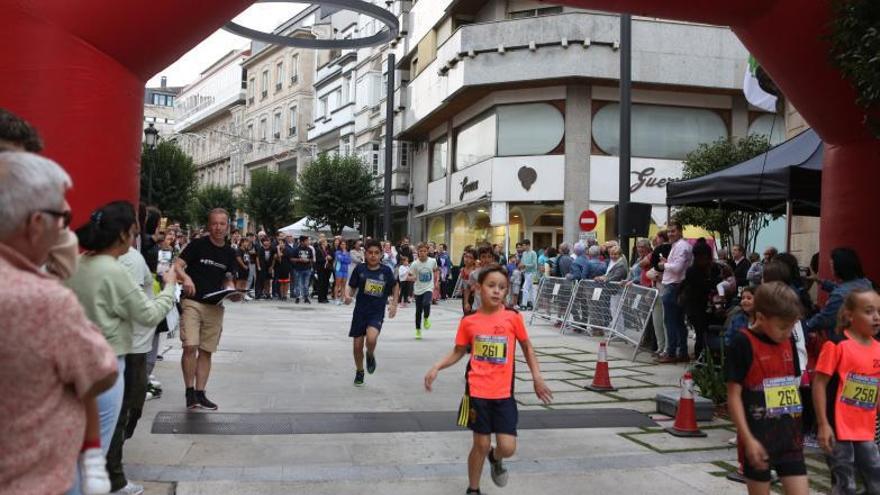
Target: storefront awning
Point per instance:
(456, 207)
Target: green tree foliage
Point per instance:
(209, 197)
(337, 191)
(855, 50)
(269, 199)
(173, 177)
(734, 227)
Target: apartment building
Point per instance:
(159, 107)
(512, 109)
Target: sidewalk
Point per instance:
(285, 358)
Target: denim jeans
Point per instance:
(846, 459)
(302, 278)
(673, 316)
(657, 320)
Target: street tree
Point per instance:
(209, 197)
(269, 199)
(168, 179)
(733, 227)
(336, 191)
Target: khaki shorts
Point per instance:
(201, 325)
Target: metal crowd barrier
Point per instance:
(634, 313)
(553, 298)
(593, 306)
(459, 285)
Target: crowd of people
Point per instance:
(89, 307)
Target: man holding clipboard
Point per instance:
(205, 266)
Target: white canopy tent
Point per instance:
(303, 226)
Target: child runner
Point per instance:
(845, 394)
(467, 296)
(487, 257)
(488, 405)
(405, 284)
(763, 397)
(425, 274)
(375, 283)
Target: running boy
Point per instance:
(846, 411)
(486, 257)
(375, 283)
(762, 390)
(426, 275)
(488, 405)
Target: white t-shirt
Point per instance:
(424, 274)
(402, 272)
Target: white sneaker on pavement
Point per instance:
(93, 472)
(130, 489)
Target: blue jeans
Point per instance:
(109, 405)
(673, 317)
(301, 281)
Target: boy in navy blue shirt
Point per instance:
(375, 283)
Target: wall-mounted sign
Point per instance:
(468, 185)
(527, 176)
(646, 177)
(647, 182)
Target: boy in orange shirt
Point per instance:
(845, 394)
(488, 406)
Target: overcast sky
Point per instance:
(263, 17)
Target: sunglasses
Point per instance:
(66, 216)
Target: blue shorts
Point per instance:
(489, 416)
(360, 321)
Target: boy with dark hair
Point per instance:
(488, 405)
(375, 283)
(485, 257)
(425, 274)
(763, 378)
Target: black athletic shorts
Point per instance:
(361, 320)
(489, 416)
(788, 463)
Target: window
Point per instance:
(294, 68)
(374, 158)
(276, 125)
(323, 108)
(520, 14)
(475, 141)
(251, 85)
(264, 87)
(346, 90)
(403, 154)
(249, 145)
(658, 131)
(336, 99)
(529, 129)
(439, 155)
(770, 126)
(279, 76)
(263, 129)
(293, 122)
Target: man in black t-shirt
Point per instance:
(206, 265)
(302, 257)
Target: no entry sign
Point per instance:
(588, 220)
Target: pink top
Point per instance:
(680, 258)
(51, 355)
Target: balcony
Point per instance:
(575, 45)
(210, 107)
(293, 79)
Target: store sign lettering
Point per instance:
(467, 186)
(645, 178)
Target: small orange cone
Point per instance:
(601, 379)
(686, 415)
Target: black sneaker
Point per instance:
(499, 473)
(307, 301)
(297, 300)
(359, 379)
(203, 401)
(471, 491)
(191, 401)
(371, 363)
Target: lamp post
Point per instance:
(151, 138)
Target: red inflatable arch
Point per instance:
(76, 70)
(789, 38)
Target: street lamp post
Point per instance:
(151, 138)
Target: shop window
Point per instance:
(529, 129)
(439, 155)
(549, 219)
(437, 230)
(658, 131)
(475, 141)
(771, 126)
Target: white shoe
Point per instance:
(130, 489)
(155, 383)
(93, 472)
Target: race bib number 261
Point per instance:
(490, 348)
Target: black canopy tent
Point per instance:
(785, 179)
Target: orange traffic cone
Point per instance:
(686, 415)
(601, 379)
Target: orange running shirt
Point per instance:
(493, 341)
(857, 366)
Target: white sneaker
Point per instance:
(155, 383)
(130, 489)
(93, 472)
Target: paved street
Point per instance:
(286, 358)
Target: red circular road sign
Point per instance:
(588, 220)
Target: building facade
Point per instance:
(159, 107)
(512, 109)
